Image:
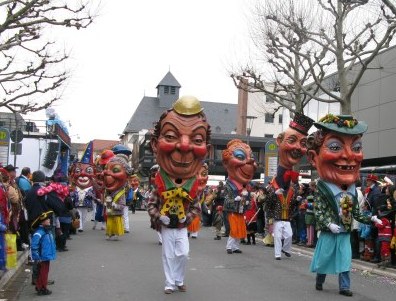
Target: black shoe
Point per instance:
(229, 251)
(80, 230)
(237, 251)
(319, 287)
(347, 293)
(248, 243)
(50, 282)
(277, 258)
(217, 238)
(287, 254)
(44, 292)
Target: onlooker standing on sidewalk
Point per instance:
(43, 251)
(218, 221)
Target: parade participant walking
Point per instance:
(240, 166)
(202, 179)
(180, 143)
(115, 175)
(281, 198)
(81, 178)
(335, 150)
(218, 222)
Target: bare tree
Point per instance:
(321, 55)
(32, 70)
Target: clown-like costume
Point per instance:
(82, 192)
(335, 150)
(240, 165)
(115, 174)
(179, 142)
(281, 198)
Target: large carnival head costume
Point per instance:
(100, 164)
(181, 139)
(335, 149)
(292, 142)
(134, 181)
(116, 173)
(239, 162)
(82, 172)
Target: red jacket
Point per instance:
(384, 230)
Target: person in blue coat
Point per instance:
(43, 251)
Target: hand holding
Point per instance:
(164, 219)
(376, 220)
(334, 228)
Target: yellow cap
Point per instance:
(187, 105)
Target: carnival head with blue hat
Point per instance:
(335, 149)
(83, 171)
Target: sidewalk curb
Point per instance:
(356, 264)
(8, 275)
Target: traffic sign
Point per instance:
(16, 136)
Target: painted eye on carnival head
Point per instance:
(357, 146)
(89, 170)
(116, 169)
(198, 139)
(77, 170)
(334, 145)
(239, 154)
(170, 136)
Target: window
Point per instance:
(269, 118)
(166, 90)
(173, 90)
(269, 135)
(2, 123)
(280, 119)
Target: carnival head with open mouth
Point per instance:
(181, 139)
(292, 142)
(239, 162)
(82, 175)
(335, 150)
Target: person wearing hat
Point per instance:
(335, 151)
(384, 235)
(281, 200)
(43, 251)
(180, 143)
(372, 190)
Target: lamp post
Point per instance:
(249, 125)
(40, 150)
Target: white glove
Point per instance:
(334, 228)
(247, 203)
(208, 211)
(376, 220)
(238, 199)
(164, 219)
(245, 193)
(182, 220)
(299, 198)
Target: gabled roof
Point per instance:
(222, 117)
(169, 80)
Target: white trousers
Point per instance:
(83, 212)
(175, 248)
(232, 243)
(282, 230)
(125, 217)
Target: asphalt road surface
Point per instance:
(131, 269)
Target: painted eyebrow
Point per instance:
(198, 127)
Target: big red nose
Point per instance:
(184, 145)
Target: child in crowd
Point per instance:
(218, 221)
(384, 235)
(43, 251)
(365, 235)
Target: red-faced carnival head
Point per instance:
(239, 162)
(116, 173)
(81, 174)
(180, 139)
(202, 177)
(335, 150)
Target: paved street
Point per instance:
(131, 269)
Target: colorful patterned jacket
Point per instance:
(280, 204)
(327, 212)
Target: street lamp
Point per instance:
(40, 150)
(249, 125)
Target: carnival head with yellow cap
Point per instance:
(181, 139)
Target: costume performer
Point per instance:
(202, 179)
(281, 199)
(335, 150)
(116, 175)
(81, 178)
(240, 165)
(180, 144)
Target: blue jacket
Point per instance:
(43, 245)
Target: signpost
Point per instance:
(4, 146)
(271, 159)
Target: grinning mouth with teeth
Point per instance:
(296, 154)
(345, 167)
(180, 164)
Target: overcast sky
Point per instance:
(132, 45)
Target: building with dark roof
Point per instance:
(222, 118)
